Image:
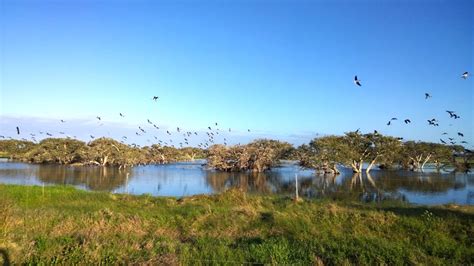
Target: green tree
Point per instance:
(58, 150)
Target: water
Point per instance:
(190, 178)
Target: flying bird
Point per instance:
(465, 75)
(427, 95)
(389, 123)
(155, 98)
(407, 121)
(460, 134)
(98, 117)
(357, 81)
(451, 113)
(62, 121)
(444, 133)
(149, 122)
(121, 115)
(17, 130)
(442, 141)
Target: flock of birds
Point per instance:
(211, 134)
(431, 122)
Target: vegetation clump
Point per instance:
(100, 152)
(257, 156)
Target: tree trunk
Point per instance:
(336, 171)
(371, 164)
(425, 161)
(104, 161)
(355, 167)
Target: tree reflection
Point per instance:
(93, 178)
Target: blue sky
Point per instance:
(283, 69)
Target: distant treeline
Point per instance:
(325, 154)
(100, 152)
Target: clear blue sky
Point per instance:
(281, 68)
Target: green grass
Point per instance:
(68, 226)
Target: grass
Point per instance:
(68, 226)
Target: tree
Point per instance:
(323, 154)
(15, 149)
(257, 156)
(58, 150)
(108, 152)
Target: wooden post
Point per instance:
(296, 187)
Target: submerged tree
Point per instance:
(353, 150)
(323, 154)
(58, 150)
(108, 152)
(15, 149)
(257, 156)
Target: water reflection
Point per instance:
(183, 179)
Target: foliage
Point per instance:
(15, 149)
(101, 152)
(352, 150)
(56, 150)
(257, 156)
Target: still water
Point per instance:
(190, 178)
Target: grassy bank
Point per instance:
(65, 225)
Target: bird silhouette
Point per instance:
(121, 115)
(407, 121)
(149, 122)
(465, 75)
(394, 118)
(460, 134)
(389, 123)
(98, 117)
(17, 130)
(155, 98)
(62, 121)
(357, 81)
(451, 113)
(427, 95)
(442, 141)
